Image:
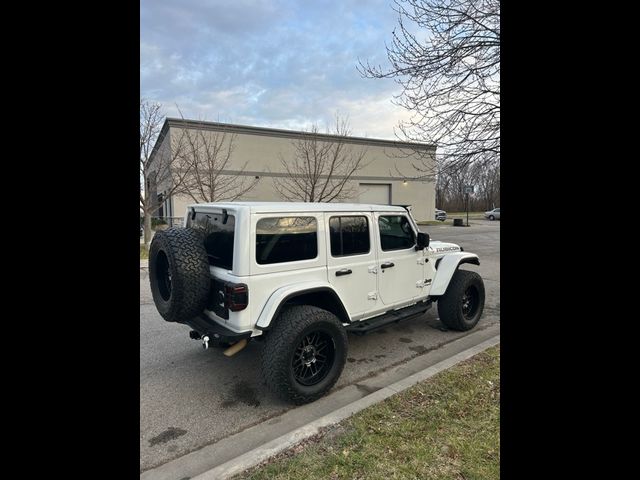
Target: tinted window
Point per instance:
(218, 237)
(396, 233)
(286, 239)
(349, 235)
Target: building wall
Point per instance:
(260, 154)
(162, 152)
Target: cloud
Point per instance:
(282, 63)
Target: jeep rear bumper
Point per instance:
(217, 333)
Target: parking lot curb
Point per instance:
(264, 452)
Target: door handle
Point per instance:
(387, 265)
(344, 271)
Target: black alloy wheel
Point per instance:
(313, 358)
(470, 302)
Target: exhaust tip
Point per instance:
(235, 348)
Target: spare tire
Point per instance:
(179, 274)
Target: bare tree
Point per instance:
(488, 192)
(159, 168)
(442, 189)
(446, 56)
(207, 158)
(450, 187)
(321, 167)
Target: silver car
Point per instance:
(493, 214)
(441, 215)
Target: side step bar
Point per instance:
(392, 316)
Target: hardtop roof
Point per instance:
(273, 207)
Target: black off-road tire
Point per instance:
(179, 274)
(281, 343)
(464, 286)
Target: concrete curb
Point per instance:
(289, 440)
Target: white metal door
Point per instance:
(351, 262)
(400, 266)
(376, 193)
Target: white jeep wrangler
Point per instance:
(299, 276)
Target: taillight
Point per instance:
(236, 296)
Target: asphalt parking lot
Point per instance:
(190, 397)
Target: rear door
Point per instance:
(351, 260)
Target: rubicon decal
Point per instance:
(448, 249)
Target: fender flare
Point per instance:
(445, 268)
(278, 298)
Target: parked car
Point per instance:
(493, 214)
(441, 215)
(299, 276)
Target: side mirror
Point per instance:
(423, 241)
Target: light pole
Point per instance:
(467, 209)
(467, 190)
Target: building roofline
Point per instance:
(277, 132)
(163, 133)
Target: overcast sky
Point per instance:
(271, 63)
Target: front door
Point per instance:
(400, 266)
(351, 260)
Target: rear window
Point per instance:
(286, 239)
(349, 235)
(218, 237)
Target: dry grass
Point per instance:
(447, 427)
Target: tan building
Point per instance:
(387, 177)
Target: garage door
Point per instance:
(378, 193)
